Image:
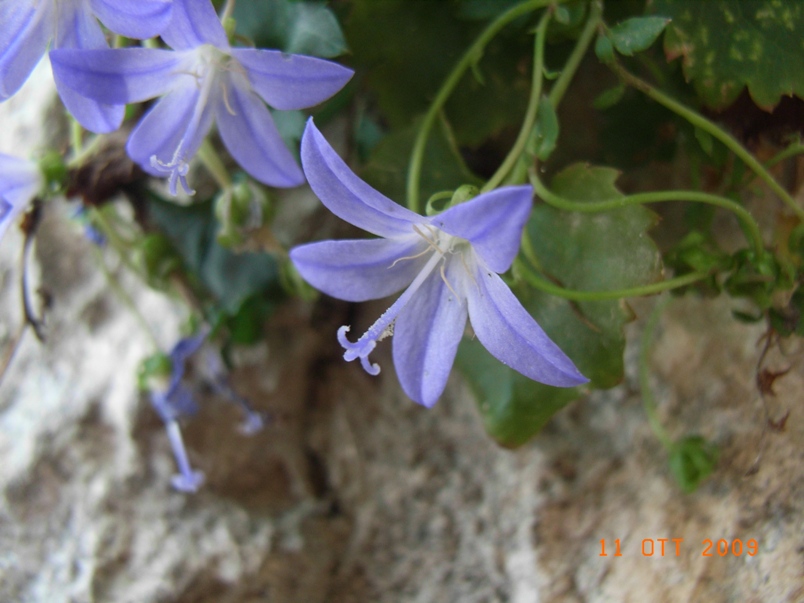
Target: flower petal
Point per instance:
(77, 28)
(249, 133)
(426, 337)
(24, 36)
(20, 181)
(170, 128)
(121, 75)
(94, 116)
(139, 19)
(194, 23)
(492, 223)
(360, 270)
(346, 195)
(513, 336)
(291, 81)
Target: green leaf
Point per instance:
(405, 76)
(513, 407)
(594, 252)
(692, 460)
(637, 34)
(609, 98)
(229, 277)
(728, 45)
(604, 49)
(545, 132)
(315, 31)
(602, 251)
(442, 168)
(297, 27)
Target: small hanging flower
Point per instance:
(20, 181)
(203, 80)
(448, 266)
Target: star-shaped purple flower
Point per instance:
(20, 181)
(448, 266)
(27, 27)
(203, 80)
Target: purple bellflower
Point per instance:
(448, 266)
(27, 27)
(175, 400)
(20, 181)
(203, 79)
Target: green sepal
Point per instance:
(54, 171)
(153, 372)
(692, 460)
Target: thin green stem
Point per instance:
(538, 282)
(574, 60)
(648, 402)
(797, 148)
(120, 245)
(76, 136)
(212, 161)
(471, 56)
(699, 121)
(228, 10)
(125, 298)
(751, 226)
(80, 153)
(533, 106)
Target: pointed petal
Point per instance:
(249, 133)
(20, 181)
(492, 223)
(346, 195)
(139, 19)
(291, 81)
(506, 329)
(77, 27)
(122, 75)
(94, 116)
(360, 270)
(194, 23)
(170, 129)
(426, 337)
(24, 36)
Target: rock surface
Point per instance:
(357, 494)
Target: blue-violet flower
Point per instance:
(20, 181)
(27, 27)
(204, 79)
(448, 266)
(175, 400)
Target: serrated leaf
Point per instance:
(637, 34)
(727, 45)
(601, 251)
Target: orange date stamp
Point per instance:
(672, 547)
